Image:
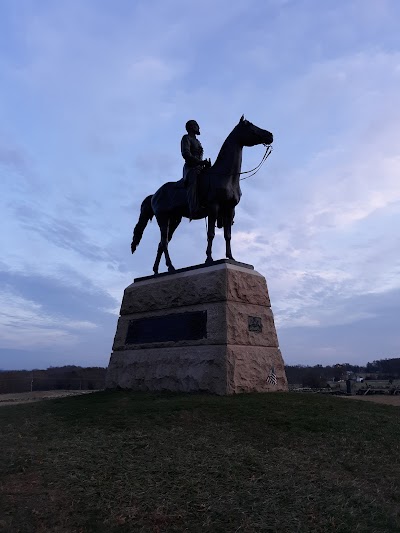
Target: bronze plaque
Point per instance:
(174, 327)
(255, 324)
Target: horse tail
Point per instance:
(146, 214)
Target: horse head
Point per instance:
(250, 134)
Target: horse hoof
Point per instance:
(171, 269)
(209, 261)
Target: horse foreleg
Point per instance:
(212, 218)
(228, 219)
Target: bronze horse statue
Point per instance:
(218, 189)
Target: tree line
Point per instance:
(54, 378)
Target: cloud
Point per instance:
(80, 297)
(96, 98)
(60, 232)
(17, 169)
(24, 324)
(372, 335)
(151, 70)
(324, 234)
(13, 158)
(48, 319)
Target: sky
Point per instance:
(94, 96)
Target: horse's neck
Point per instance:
(229, 160)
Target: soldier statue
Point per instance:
(192, 153)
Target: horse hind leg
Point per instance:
(165, 231)
(158, 258)
(160, 250)
(173, 223)
(171, 227)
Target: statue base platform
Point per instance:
(204, 328)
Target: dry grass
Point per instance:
(385, 399)
(125, 462)
(15, 398)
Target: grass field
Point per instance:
(119, 461)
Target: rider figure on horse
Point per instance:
(192, 153)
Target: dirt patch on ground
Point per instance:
(386, 399)
(36, 396)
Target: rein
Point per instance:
(257, 168)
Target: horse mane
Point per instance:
(226, 143)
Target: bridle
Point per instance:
(257, 168)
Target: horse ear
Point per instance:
(241, 118)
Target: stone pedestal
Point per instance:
(206, 328)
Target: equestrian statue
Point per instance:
(205, 191)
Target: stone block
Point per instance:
(237, 325)
(247, 287)
(184, 369)
(249, 367)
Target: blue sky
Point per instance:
(94, 96)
